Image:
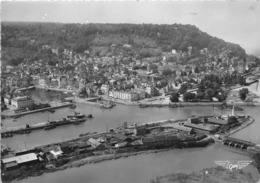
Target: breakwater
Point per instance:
(54, 89)
(43, 125)
(37, 110)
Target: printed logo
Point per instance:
(230, 166)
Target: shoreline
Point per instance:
(78, 160)
(88, 161)
(154, 103)
(97, 159)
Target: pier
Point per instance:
(37, 110)
(44, 125)
(26, 88)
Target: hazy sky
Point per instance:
(233, 21)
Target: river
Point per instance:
(139, 168)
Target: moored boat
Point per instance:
(49, 127)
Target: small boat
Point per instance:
(17, 116)
(180, 105)
(52, 110)
(106, 106)
(78, 122)
(77, 115)
(90, 116)
(73, 106)
(173, 105)
(9, 135)
(28, 131)
(49, 127)
(143, 105)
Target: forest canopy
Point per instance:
(22, 39)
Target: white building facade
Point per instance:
(22, 102)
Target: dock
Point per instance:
(9, 132)
(26, 88)
(90, 101)
(37, 110)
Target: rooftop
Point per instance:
(159, 138)
(217, 121)
(21, 159)
(207, 127)
(21, 98)
(94, 142)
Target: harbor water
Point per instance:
(140, 168)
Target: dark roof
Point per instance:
(11, 164)
(147, 139)
(82, 145)
(172, 137)
(159, 138)
(207, 127)
(94, 142)
(137, 142)
(217, 121)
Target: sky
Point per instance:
(234, 21)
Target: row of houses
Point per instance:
(127, 95)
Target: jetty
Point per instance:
(26, 88)
(51, 109)
(75, 119)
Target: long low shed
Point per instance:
(208, 128)
(14, 161)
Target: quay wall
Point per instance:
(54, 89)
(38, 110)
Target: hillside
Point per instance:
(22, 39)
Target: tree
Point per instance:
(183, 89)
(167, 72)
(209, 93)
(174, 97)
(189, 96)
(200, 95)
(196, 70)
(243, 93)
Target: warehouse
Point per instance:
(202, 128)
(160, 139)
(14, 162)
(217, 121)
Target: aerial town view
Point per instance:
(133, 91)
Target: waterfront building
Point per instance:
(42, 82)
(150, 90)
(194, 120)
(128, 96)
(57, 152)
(22, 102)
(182, 128)
(217, 121)
(202, 128)
(7, 99)
(104, 88)
(96, 144)
(14, 162)
(160, 140)
(139, 130)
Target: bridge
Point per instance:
(237, 143)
